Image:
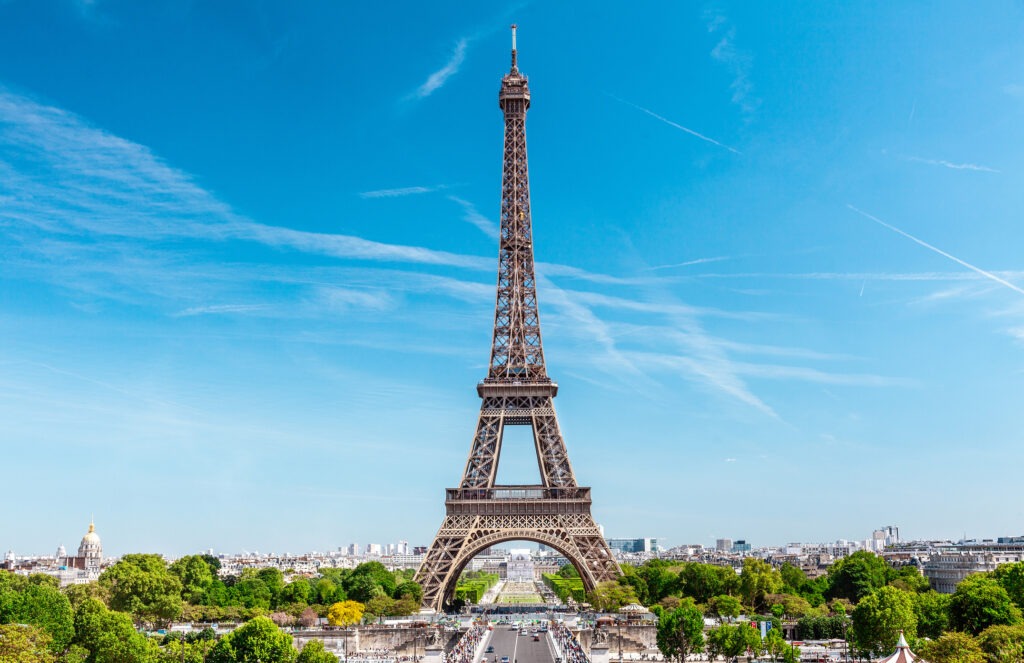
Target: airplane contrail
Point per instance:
(979, 270)
(674, 124)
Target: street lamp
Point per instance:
(618, 629)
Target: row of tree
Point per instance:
(190, 588)
(681, 634)
(861, 598)
(565, 588)
(39, 623)
(472, 586)
(99, 622)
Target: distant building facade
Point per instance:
(642, 545)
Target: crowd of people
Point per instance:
(465, 650)
(568, 646)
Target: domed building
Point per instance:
(90, 552)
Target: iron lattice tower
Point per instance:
(516, 392)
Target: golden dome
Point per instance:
(91, 537)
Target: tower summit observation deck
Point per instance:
(516, 392)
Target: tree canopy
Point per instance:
(680, 632)
(981, 601)
(143, 586)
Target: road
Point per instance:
(519, 648)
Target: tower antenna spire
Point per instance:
(514, 46)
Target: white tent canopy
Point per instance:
(902, 653)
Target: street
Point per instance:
(517, 647)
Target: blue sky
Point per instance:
(247, 266)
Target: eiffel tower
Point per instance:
(516, 392)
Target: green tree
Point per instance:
(952, 647)
(659, 578)
(979, 602)
(22, 643)
(632, 579)
(109, 636)
(1003, 644)
(409, 589)
(1011, 577)
(793, 578)
(757, 580)
(326, 592)
(731, 641)
(143, 586)
(793, 606)
(380, 606)
(362, 588)
(568, 571)
(274, 580)
(195, 575)
(879, 618)
(724, 606)
(857, 575)
(314, 652)
(77, 594)
(252, 592)
(609, 596)
(297, 591)
(257, 641)
(703, 581)
(932, 610)
(377, 573)
(38, 603)
(774, 644)
(821, 628)
(909, 578)
(177, 650)
(680, 632)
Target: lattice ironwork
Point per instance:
(516, 392)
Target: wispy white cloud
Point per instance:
(730, 460)
(963, 263)
(219, 309)
(472, 216)
(590, 325)
(952, 165)
(738, 61)
(401, 192)
(437, 79)
(675, 124)
(109, 218)
(698, 261)
(90, 181)
(854, 276)
(342, 299)
(1014, 90)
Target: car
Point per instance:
(504, 659)
(536, 638)
(490, 649)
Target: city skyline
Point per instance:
(249, 255)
